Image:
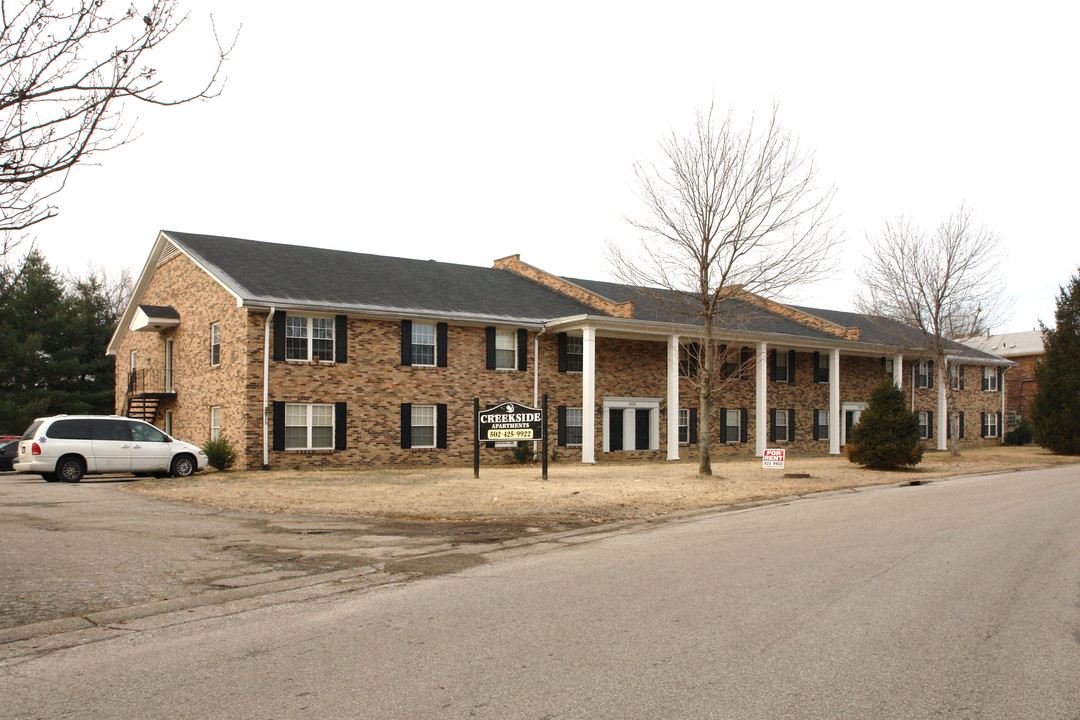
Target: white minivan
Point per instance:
(66, 447)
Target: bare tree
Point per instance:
(67, 68)
(730, 214)
(947, 285)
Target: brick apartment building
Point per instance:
(308, 357)
(1026, 350)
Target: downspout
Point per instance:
(1028, 380)
(536, 381)
(266, 390)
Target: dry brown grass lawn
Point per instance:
(573, 492)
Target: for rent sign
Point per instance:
(510, 421)
(773, 459)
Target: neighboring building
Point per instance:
(1025, 349)
(310, 357)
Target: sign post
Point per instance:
(476, 439)
(543, 465)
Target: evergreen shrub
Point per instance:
(887, 434)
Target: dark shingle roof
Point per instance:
(293, 274)
(160, 311)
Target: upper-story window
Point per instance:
(821, 367)
(307, 338)
(780, 369)
(215, 344)
(924, 374)
(575, 354)
(423, 344)
(505, 350)
(956, 376)
(990, 378)
(889, 366)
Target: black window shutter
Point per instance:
(772, 366)
(642, 429)
(817, 414)
(744, 418)
(791, 366)
(561, 413)
(406, 424)
(772, 425)
(440, 431)
(984, 428)
(1000, 429)
(882, 369)
(615, 429)
(948, 428)
(340, 418)
(562, 359)
(985, 384)
(961, 371)
(406, 347)
(489, 335)
(930, 425)
(817, 367)
(961, 425)
(1001, 379)
(341, 338)
(692, 435)
(279, 336)
(723, 425)
(930, 374)
(440, 343)
(791, 424)
(279, 426)
(523, 349)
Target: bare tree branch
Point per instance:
(67, 68)
(727, 211)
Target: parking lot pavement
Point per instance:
(77, 554)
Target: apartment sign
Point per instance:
(509, 421)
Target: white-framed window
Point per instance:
(990, 425)
(684, 426)
(505, 350)
(924, 425)
(733, 425)
(990, 380)
(215, 343)
(822, 424)
(215, 422)
(890, 366)
(423, 425)
(954, 376)
(780, 426)
(309, 426)
(780, 371)
(573, 426)
(308, 337)
(575, 354)
(922, 374)
(423, 347)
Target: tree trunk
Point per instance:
(705, 378)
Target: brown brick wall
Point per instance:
(1021, 378)
(200, 301)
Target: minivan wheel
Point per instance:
(183, 466)
(70, 468)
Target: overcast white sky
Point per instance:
(466, 131)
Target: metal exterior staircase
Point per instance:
(146, 390)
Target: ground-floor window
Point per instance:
(423, 426)
(990, 425)
(573, 426)
(782, 425)
(821, 424)
(733, 426)
(684, 426)
(215, 422)
(309, 427)
(926, 425)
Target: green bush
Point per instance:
(220, 453)
(1020, 435)
(887, 434)
(523, 452)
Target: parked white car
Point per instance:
(66, 447)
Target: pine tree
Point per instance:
(887, 434)
(1055, 412)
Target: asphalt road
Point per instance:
(958, 599)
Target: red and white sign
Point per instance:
(773, 459)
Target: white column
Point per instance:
(898, 370)
(672, 397)
(761, 400)
(834, 402)
(588, 395)
(942, 408)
